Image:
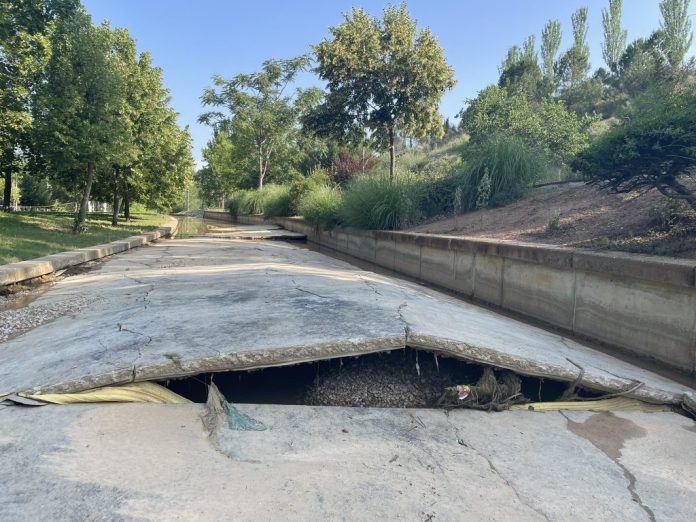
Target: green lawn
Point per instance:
(29, 235)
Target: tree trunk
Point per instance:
(7, 197)
(392, 159)
(126, 203)
(80, 220)
(261, 172)
(114, 211)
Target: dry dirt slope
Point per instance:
(583, 216)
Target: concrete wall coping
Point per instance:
(658, 269)
(17, 272)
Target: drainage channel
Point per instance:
(618, 353)
(406, 378)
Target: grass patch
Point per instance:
(28, 235)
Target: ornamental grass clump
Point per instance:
(276, 201)
(499, 170)
(378, 202)
(319, 206)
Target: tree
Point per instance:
(575, 63)
(676, 28)
(261, 114)
(614, 37)
(654, 148)
(24, 51)
(384, 75)
(550, 44)
(547, 125)
(520, 71)
(78, 127)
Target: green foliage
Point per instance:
(550, 44)
(320, 205)
(614, 42)
(438, 195)
(574, 64)
(676, 27)
(380, 202)
(383, 75)
(276, 201)
(261, 117)
(520, 72)
(483, 190)
(36, 191)
(302, 185)
(655, 147)
(500, 169)
(546, 125)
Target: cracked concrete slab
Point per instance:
(156, 462)
(204, 304)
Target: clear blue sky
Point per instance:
(192, 40)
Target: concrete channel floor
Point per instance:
(187, 306)
(156, 462)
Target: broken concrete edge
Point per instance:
(256, 360)
(13, 273)
(640, 305)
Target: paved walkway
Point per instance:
(188, 306)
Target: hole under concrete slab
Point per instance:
(407, 378)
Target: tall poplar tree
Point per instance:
(614, 43)
(676, 27)
(575, 63)
(550, 45)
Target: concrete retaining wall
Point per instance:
(17, 272)
(218, 215)
(644, 305)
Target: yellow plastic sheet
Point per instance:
(133, 392)
(613, 404)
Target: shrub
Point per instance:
(439, 194)
(245, 202)
(319, 206)
(378, 202)
(276, 201)
(654, 148)
(236, 203)
(348, 164)
(499, 170)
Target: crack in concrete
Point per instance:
(300, 289)
(630, 477)
(407, 327)
(148, 291)
(138, 347)
(492, 466)
(370, 285)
